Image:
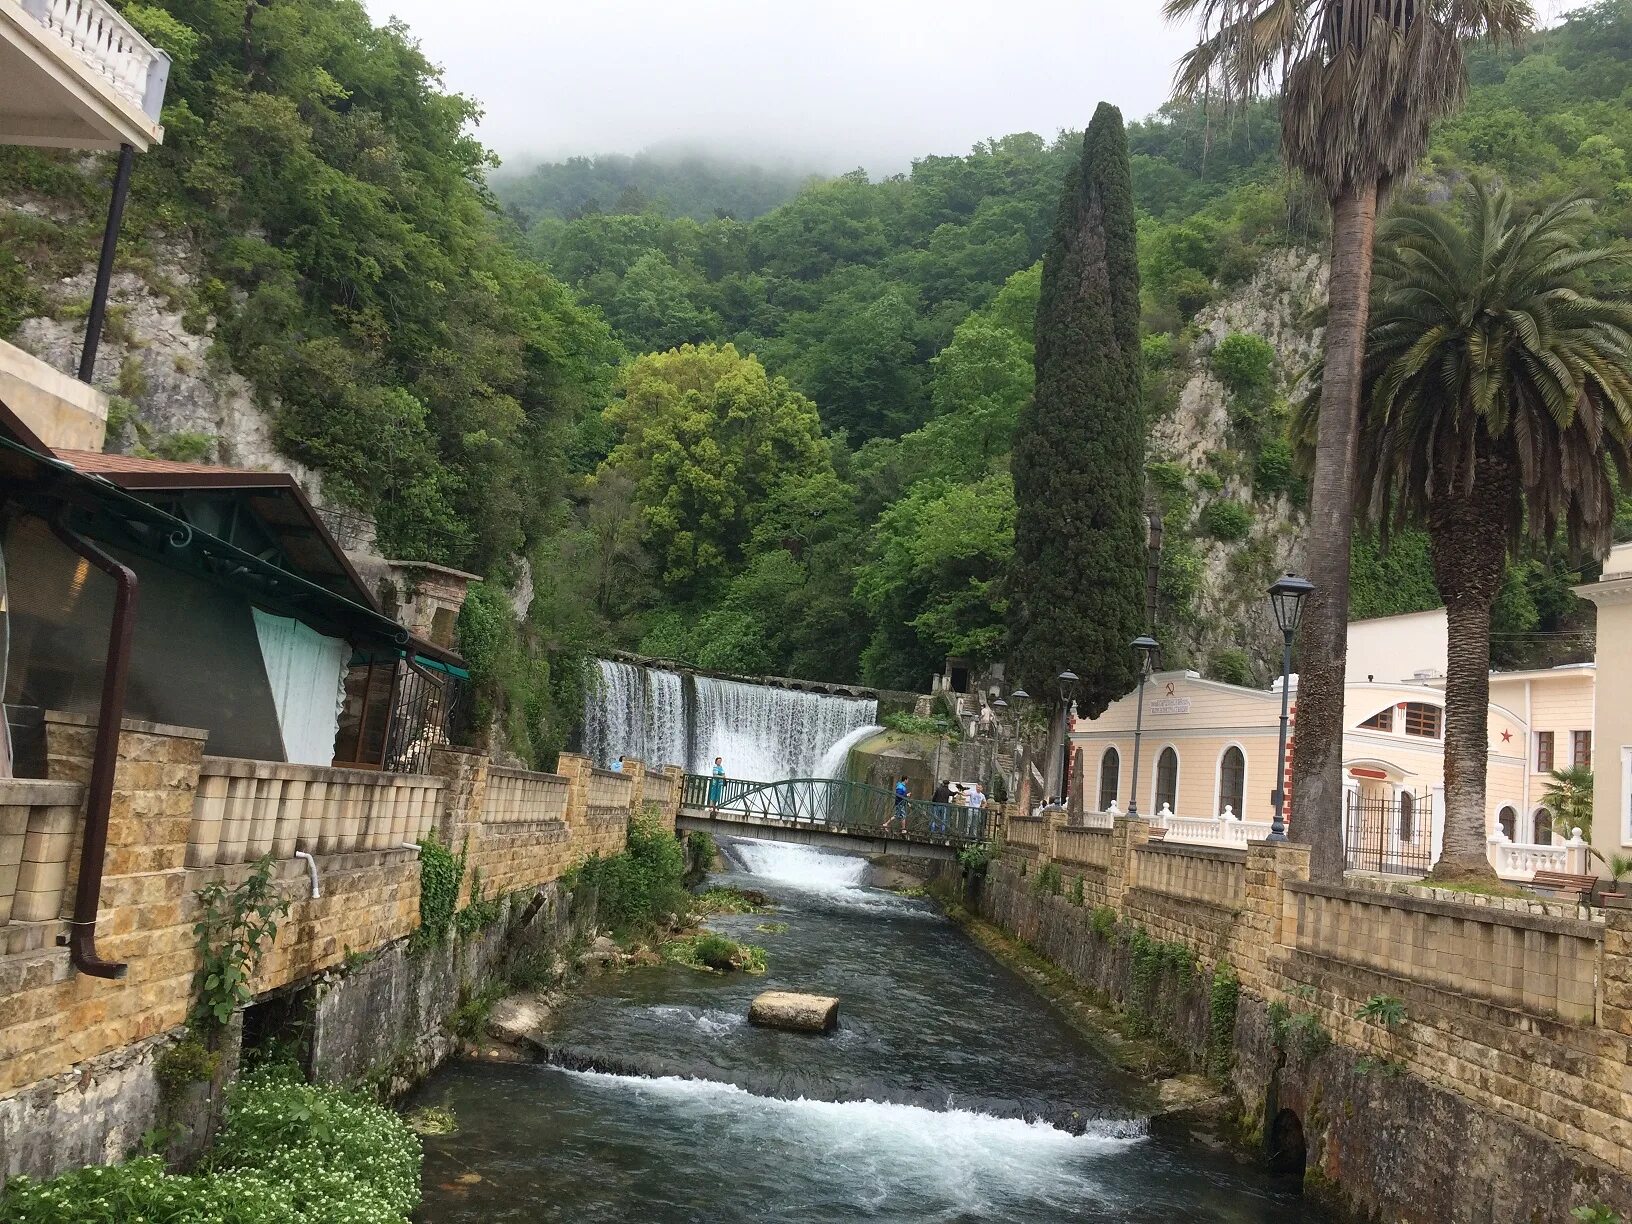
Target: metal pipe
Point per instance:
(311, 869)
(104, 267)
(81, 938)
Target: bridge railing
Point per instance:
(837, 805)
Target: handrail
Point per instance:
(842, 806)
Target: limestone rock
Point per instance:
(801, 1013)
(519, 1020)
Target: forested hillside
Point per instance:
(819, 484)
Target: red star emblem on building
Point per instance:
(1506, 735)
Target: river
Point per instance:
(950, 1092)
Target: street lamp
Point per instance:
(1144, 649)
(1067, 681)
(1286, 597)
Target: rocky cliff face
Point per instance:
(175, 394)
(1197, 435)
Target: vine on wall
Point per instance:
(235, 927)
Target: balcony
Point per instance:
(75, 74)
(60, 411)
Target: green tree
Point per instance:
(1077, 592)
(706, 437)
(1498, 412)
(933, 579)
(1361, 85)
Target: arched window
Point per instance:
(1110, 778)
(1167, 779)
(1422, 719)
(1383, 720)
(1508, 819)
(1407, 816)
(1232, 780)
(1541, 827)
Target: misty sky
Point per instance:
(829, 85)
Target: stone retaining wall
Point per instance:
(180, 821)
(1503, 1092)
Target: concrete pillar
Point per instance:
(1270, 917)
(1615, 973)
(1128, 833)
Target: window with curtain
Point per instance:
(1167, 779)
(1232, 780)
(1110, 778)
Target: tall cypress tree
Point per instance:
(1079, 450)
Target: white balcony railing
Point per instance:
(1520, 861)
(112, 48)
(1225, 829)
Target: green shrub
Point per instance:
(1382, 1009)
(1230, 666)
(189, 1061)
(976, 858)
(913, 724)
(1226, 520)
(1103, 921)
(1048, 880)
(637, 889)
(1077, 896)
(1245, 364)
(716, 953)
(289, 1151)
(1272, 471)
(440, 871)
(1224, 998)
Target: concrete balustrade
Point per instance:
(517, 796)
(109, 45)
(38, 820)
(244, 809)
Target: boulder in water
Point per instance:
(800, 1013)
(519, 1019)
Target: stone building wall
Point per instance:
(1502, 1094)
(77, 1052)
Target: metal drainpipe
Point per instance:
(81, 939)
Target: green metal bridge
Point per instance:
(835, 806)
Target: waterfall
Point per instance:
(763, 733)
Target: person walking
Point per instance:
(900, 813)
(938, 814)
(617, 765)
(716, 784)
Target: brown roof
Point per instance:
(131, 472)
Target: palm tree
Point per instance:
(1498, 387)
(1361, 82)
(1568, 799)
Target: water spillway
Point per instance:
(761, 731)
(950, 1091)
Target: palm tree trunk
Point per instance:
(1468, 544)
(1317, 759)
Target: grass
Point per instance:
(724, 900)
(433, 1120)
(711, 952)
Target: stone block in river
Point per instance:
(519, 1020)
(801, 1013)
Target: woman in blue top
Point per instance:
(716, 785)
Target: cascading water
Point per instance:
(762, 732)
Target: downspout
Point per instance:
(81, 939)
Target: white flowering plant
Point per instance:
(289, 1151)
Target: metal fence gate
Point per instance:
(1391, 835)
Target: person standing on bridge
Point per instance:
(716, 784)
(942, 799)
(976, 799)
(617, 765)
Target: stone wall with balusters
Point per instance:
(181, 820)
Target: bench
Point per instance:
(1566, 885)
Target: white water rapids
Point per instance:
(762, 732)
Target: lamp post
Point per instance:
(1286, 597)
(1019, 697)
(1067, 681)
(1144, 649)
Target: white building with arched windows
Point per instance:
(1208, 755)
